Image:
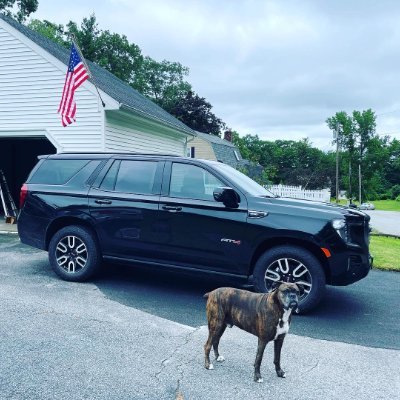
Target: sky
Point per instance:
(276, 69)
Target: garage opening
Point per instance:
(17, 158)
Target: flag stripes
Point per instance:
(76, 75)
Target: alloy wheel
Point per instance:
(71, 254)
(288, 270)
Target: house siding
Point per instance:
(30, 92)
(203, 149)
(121, 137)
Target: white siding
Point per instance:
(30, 92)
(123, 138)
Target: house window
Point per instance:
(190, 152)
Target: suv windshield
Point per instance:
(243, 181)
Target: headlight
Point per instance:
(338, 224)
(341, 228)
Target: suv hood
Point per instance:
(317, 209)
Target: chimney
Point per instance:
(228, 135)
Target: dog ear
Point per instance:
(301, 289)
(275, 285)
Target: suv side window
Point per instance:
(57, 172)
(193, 182)
(132, 177)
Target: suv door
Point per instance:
(200, 232)
(125, 207)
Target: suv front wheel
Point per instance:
(74, 253)
(291, 264)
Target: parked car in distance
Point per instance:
(366, 206)
(189, 215)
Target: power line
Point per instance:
(388, 112)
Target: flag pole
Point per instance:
(73, 38)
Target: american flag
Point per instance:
(76, 75)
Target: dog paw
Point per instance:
(210, 366)
(281, 374)
(221, 358)
(260, 380)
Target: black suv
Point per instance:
(187, 214)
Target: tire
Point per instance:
(74, 253)
(293, 264)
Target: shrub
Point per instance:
(395, 192)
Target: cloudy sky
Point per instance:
(276, 69)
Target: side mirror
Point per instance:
(227, 196)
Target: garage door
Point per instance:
(17, 158)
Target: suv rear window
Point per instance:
(57, 172)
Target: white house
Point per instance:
(32, 74)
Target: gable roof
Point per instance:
(224, 150)
(119, 90)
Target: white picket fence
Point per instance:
(298, 192)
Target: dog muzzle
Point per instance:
(293, 305)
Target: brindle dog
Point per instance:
(266, 315)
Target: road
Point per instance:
(387, 222)
(139, 334)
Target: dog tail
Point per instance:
(206, 295)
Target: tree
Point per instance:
(364, 127)
(195, 112)
(109, 50)
(51, 31)
(25, 8)
(288, 162)
(342, 124)
(163, 82)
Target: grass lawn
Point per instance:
(387, 205)
(384, 205)
(386, 252)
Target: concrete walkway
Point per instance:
(7, 228)
(62, 340)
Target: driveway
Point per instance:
(385, 221)
(139, 334)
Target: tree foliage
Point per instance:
(195, 112)
(24, 8)
(289, 162)
(163, 82)
(356, 135)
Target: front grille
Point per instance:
(358, 231)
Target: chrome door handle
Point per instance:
(172, 208)
(98, 201)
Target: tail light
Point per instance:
(22, 195)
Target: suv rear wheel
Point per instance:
(291, 264)
(74, 253)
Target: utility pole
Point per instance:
(336, 137)
(359, 182)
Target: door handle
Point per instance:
(172, 208)
(98, 201)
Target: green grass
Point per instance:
(387, 205)
(384, 205)
(386, 252)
